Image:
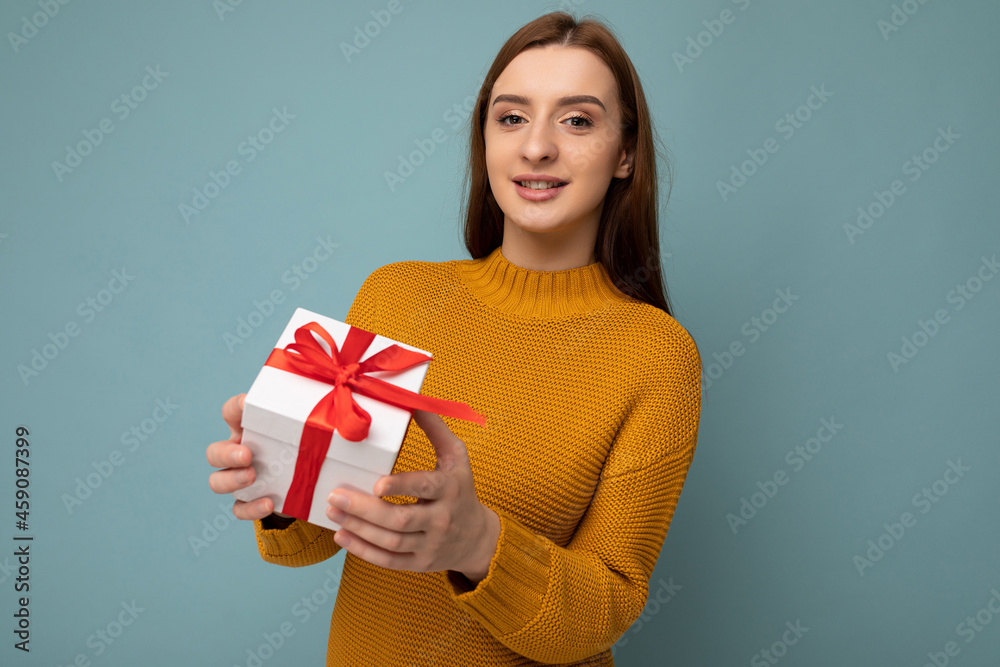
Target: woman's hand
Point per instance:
(446, 529)
(235, 459)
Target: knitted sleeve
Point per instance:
(303, 543)
(557, 604)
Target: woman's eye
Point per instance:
(584, 121)
(506, 116)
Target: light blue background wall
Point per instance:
(722, 590)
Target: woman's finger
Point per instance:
(231, 479)
(421, 484)
(253, 510)
(449, 449)
(232, 412)
(404, 518)
(375, 535)
(228, 454)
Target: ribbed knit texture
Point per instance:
(592, 401)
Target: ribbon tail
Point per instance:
(392, 358)
(312, 452)
(353, 421)
(408, 400)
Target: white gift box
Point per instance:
(279, 403)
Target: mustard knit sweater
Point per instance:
(592, 402)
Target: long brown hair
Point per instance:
(627, 237)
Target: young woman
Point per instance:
(530, 540)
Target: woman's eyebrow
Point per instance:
(562, 101)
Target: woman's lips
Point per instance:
(538, 195)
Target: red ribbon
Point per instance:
(338, 410)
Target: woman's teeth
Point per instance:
(539, 185)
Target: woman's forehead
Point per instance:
(554, 72)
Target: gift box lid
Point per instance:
(279, 402)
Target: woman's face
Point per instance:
(554, 112)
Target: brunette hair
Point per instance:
(627, 236)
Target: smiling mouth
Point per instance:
(539, 185)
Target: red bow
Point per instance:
(338, 410)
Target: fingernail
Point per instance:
(340, 501)
(237, 458)
(245, 475)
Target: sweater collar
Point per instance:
(538, 294)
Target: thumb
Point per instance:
(232, 412)
(448, 447)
